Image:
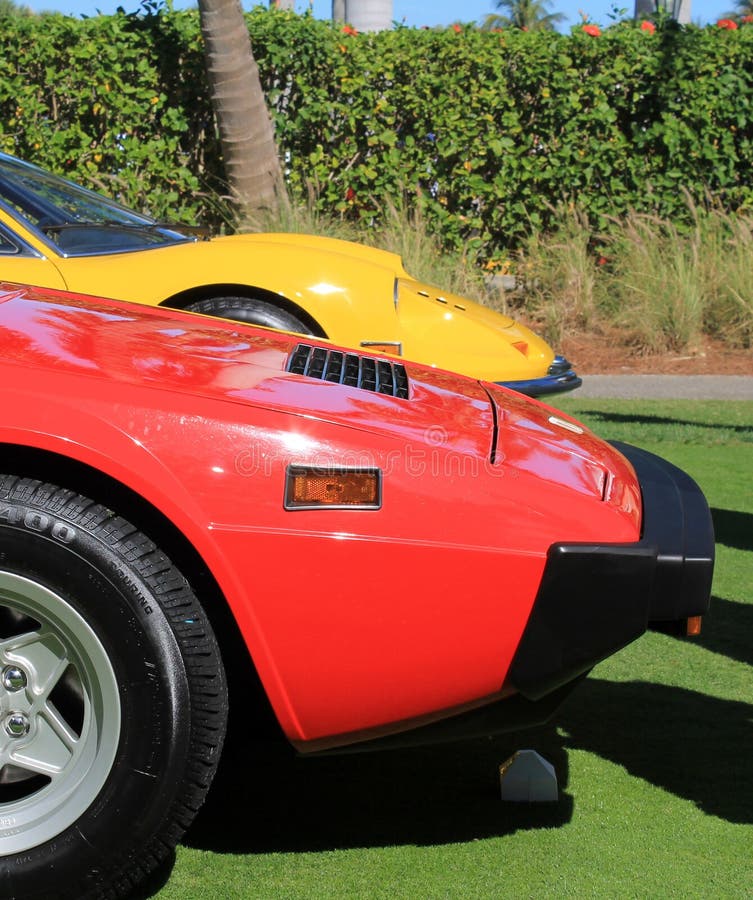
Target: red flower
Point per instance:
(602, 261)
(348, 29)
(592, 30)
(728, 24)
(456, 28)
(648, 26)
(747, 19)
(350, 194)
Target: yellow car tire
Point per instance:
(251, 311)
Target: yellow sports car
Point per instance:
(56, 234)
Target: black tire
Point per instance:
(251, 311)
(110, 682)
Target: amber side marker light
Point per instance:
(309, 487)
(693, 626)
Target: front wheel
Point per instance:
(252, 311)
(112, 698)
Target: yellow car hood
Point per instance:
(359, 296)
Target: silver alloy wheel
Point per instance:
(59, 714)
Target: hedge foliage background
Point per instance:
(490, 130)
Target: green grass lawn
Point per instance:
(654, 754)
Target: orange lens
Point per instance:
(693, 626)
(317, 489)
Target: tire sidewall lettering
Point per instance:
(63, 532)
(38, 522)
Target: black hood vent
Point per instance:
(379, 375)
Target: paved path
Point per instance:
(671, 387)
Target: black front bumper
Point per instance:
(596, 598)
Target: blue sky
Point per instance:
(419, 12)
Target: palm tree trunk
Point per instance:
(252, 165)
(681, 11)
(369, 15)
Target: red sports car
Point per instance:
(395, 546)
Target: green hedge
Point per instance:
(490, 130)
(115, 102)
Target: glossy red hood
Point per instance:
(187, 353)
(554, 447)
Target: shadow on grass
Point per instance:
(690, 744)
(266, 799)
(733, 529)
(599, 415)
(728, 629)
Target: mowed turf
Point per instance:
(653, 751)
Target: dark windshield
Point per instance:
(77, 220)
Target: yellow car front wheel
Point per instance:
(252, 311)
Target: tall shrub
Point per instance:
(489, 132)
